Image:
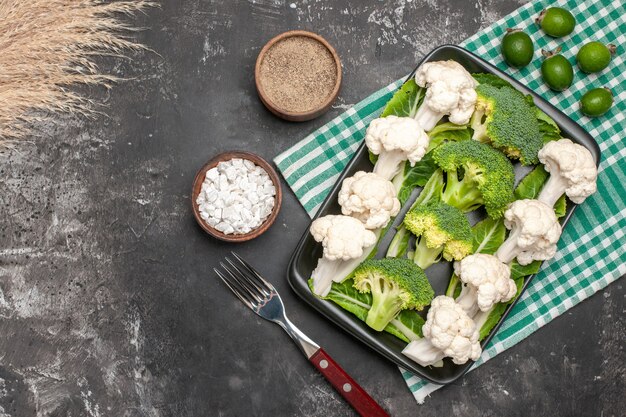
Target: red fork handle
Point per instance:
(349, 390)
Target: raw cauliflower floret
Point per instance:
(487, 282)
(572, 171)
(535, 231)
(448, 332)
(346, 243)
(395, 140)
(369, 198)
(451, 91)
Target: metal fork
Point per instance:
(262, 298)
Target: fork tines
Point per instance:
(243, 280)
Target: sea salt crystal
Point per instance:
(236, 196)
(212, 174)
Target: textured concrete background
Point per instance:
(108, 306)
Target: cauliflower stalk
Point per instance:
(448, 332)
(535, 231)
(572, 171)
(395, 140)
(487, 282)
(451, 92)
(346, 243)
(369, 198)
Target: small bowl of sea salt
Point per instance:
(236, 196)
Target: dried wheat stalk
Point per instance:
(46, 46)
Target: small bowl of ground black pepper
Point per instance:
(298, 75)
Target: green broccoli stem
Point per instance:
(386, 303)
(453, 289)
(425, 256)
(462, 194)
(431, 192)
(479, 126)
(399, 244)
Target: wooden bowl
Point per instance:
(197, 186)
(286, 113)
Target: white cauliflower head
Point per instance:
(572, 171)
(488, 281)
(343, 237)
(395, 140)
(535, 231)
(369, 198)
(451, 91)
(346, 242)
(451, 330)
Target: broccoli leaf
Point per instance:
(530, 186)
(406, 326)
(490, 79)
(405, 101)
(560, 207)
(489, 234)
(347, 297)
(521, 271)
(548, 127)
(416, 176)
(399, 244)
(492, 319)
(454, 289)
(432, 189)
(448, 132)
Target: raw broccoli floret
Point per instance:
(395, 284)
(442, 230)
(477, 174)
(507, 120)
(431, 192)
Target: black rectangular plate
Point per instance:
(309, 251)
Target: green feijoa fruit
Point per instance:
(556, 21)
(596, 102)
(557, 71)
(517, 48)
(594, 56)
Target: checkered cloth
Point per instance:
(591, 253)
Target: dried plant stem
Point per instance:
(46, 46)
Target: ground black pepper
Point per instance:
(298, 74)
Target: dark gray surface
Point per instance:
(108, 306)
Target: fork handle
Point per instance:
(345, 385)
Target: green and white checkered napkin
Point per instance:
(591, 253)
